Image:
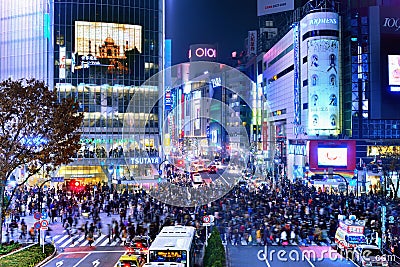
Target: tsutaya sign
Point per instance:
(141, 161)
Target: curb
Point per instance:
(48, 258)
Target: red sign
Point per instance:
(265, 135)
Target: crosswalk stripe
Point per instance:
(84, 243)
(55, 237)
(98, 239)
(66, 243)
(62, 239)
(104, 243)
(113, 243)
(77, 241)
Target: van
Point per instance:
(346, 241)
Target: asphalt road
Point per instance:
(278, 256)
(87, 257)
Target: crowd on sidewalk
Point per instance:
(281, 214)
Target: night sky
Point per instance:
(222, 22)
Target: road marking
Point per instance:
(84, 243)
(84, 252)
(308, 260)
(77, 264)
(66, 243)
(104, 243)
(113, 243)
(62, 239)
(98, 239)
(77, 241)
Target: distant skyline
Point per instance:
(220, 22)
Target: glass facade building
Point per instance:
(99, 53)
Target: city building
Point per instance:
(101, 54)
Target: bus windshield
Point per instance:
(168, 256)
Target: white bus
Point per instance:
(174, 244)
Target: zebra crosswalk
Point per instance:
(66, 241)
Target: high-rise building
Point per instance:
(99, 53)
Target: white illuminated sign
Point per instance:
(204, 52)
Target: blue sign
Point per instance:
(159, 172)
(44, 215)
(57, 179)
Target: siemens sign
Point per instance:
(141, 161)
(318, 21)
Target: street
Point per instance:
(88, 256)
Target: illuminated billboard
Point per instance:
(323, 86)
(203, 52)
(329, 156)
(265, 7)
(102, 39)
(336, 154)
(394, 72)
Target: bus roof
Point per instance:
(174, 238)
(178, 231)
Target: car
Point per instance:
(369, 255)
(197, 179)
(130, 260)
(212, 169)
(139, 245)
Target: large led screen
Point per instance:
(323, 86)
(329, 156)
(337, 154)
(394, 72)
(106, 39)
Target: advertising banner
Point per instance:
(113, 46)
(390, 20)
(265, 135)
(394, 71)
(323, 85)
(265, 7)
(62, 62)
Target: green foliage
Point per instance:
(27, 257)
(214, 255)
(5, 249)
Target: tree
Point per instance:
(38, 131)
(390, 157)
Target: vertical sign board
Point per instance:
(252, 43)
(296, 52)
(265, 135)
(62, 62)
(323, 85)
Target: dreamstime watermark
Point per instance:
(310, 255)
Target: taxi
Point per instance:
(130, 260)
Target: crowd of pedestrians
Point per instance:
(275, 213)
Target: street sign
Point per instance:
(211, 219)
(57, 179)
(44, 224)
(206, 224)
(37, 215)
(37, 225)
(391, 219)
(206, 219)
(159, 172)
(342, 187)
(44, 215)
